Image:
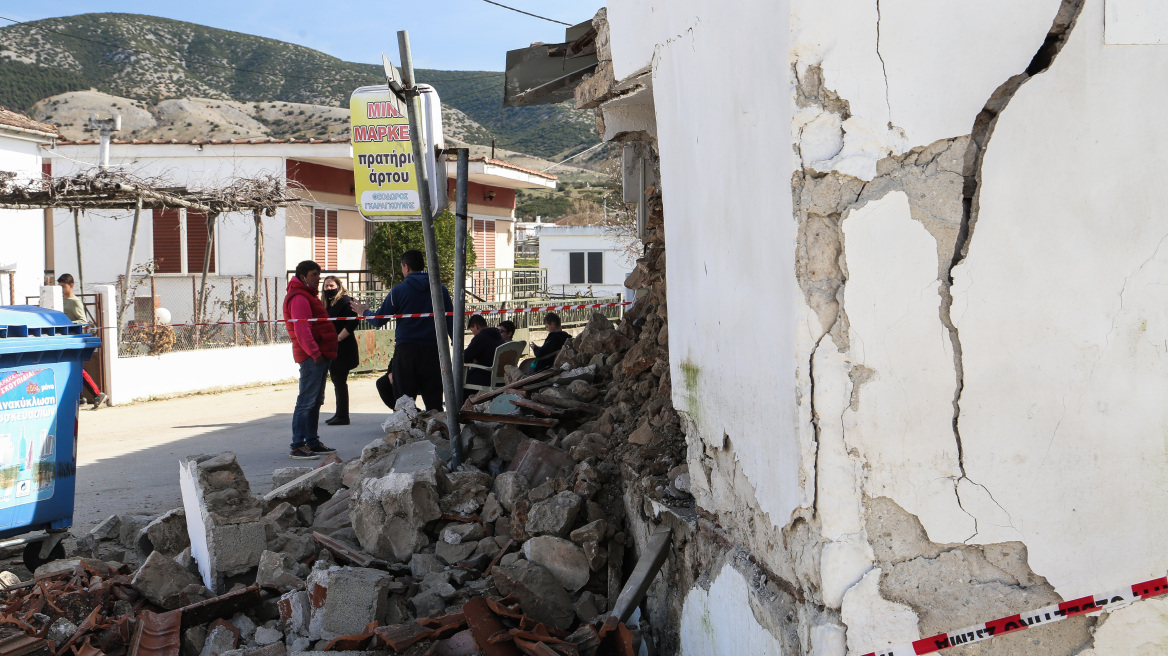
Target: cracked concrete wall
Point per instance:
(923, 386)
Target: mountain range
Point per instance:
(172, 79)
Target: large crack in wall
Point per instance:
(983, 130)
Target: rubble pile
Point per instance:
(520, 549)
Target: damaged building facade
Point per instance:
(917, 324)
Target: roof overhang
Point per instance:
(546, 74)
(495, 173)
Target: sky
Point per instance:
(444, 34)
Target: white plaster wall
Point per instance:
(731, 259)
(902, 422)
(913, 71)
(1062, 308)
(556, 243)
(136, 379)
(720, 621)
(22, 234)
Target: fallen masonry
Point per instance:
(520, 549)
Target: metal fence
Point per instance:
(507, 284)
(168, 299)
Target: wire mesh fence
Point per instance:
(171, 299)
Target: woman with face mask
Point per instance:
(340, 304)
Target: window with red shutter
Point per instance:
(197, 242)
(167, 241)
(324, 238)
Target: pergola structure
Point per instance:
(99, 189)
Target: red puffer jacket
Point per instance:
(322, 334)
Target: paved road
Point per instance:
(128, 455)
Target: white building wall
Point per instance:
(142, 378)
(836, 409)
(556, 242)
(22, 233)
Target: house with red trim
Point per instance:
(326, 228)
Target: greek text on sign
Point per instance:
(384, 173)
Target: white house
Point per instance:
(586, 260)
(23, 252)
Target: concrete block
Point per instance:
(562, 558)
(223, 518)
(295, 612)
(276, 570)
(388, 513)
(161, 580)
(509, 488)
(220, 640)
(304, 489)
(267, 636)
(356, 596)
(542, 596)
(554, 516)
(167, 534)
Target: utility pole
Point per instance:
(460, 219)
(414, 110)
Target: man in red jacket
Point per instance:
(314, 347)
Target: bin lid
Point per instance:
(28, 327)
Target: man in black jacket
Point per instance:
(481, 351)
(545, 355)
(415, 369)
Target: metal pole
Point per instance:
(413, 110)
(259, 268)
(77, 235)
(460, 211)
(130, 264)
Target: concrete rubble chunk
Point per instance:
(285, 475)
(589, 606)
(129, 526)
(542, 596)
(388, 513)
(590, 532)
(193, 640)
(277, 570)
(267, 636)
(423, 563)
(562, 558)
(304, 489)
(281, 518)
(467, 491)
(510, 487)
(356, 597)
(582, 390)
(492, 510)
(108, 529)
(220, 640)
(8, 579)
(554, 516)
(333, 515)
(579, 376)
(506, 440)
(245, 625)
(167, 534)
(643, 436)
(351, 472)
(161, 580)
(454, 553)
(61, 630)
(402, 417)
(538, 461)
(295, 612)
(68, 565)
(459, 533)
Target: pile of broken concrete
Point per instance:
(385, 550)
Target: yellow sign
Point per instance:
(385, 177)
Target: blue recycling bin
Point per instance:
(41, 353)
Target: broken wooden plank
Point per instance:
(347, 552)
(221, 607)
(647, 566)
(21, 644)
(490, 394)
(567, 404)
(537, 407)
(466, 417)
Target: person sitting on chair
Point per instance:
(507, 330)
(481, 351)
(545, 355)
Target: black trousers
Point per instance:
(416, 372)
(339, 372)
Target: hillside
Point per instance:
(177, 69)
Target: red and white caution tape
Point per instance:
(1046, 615)
(424, 315)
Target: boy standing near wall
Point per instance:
(75, 310)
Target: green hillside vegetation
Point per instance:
(150, 59)
(21, 85)
(571, 197)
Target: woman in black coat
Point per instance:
(340, 304)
